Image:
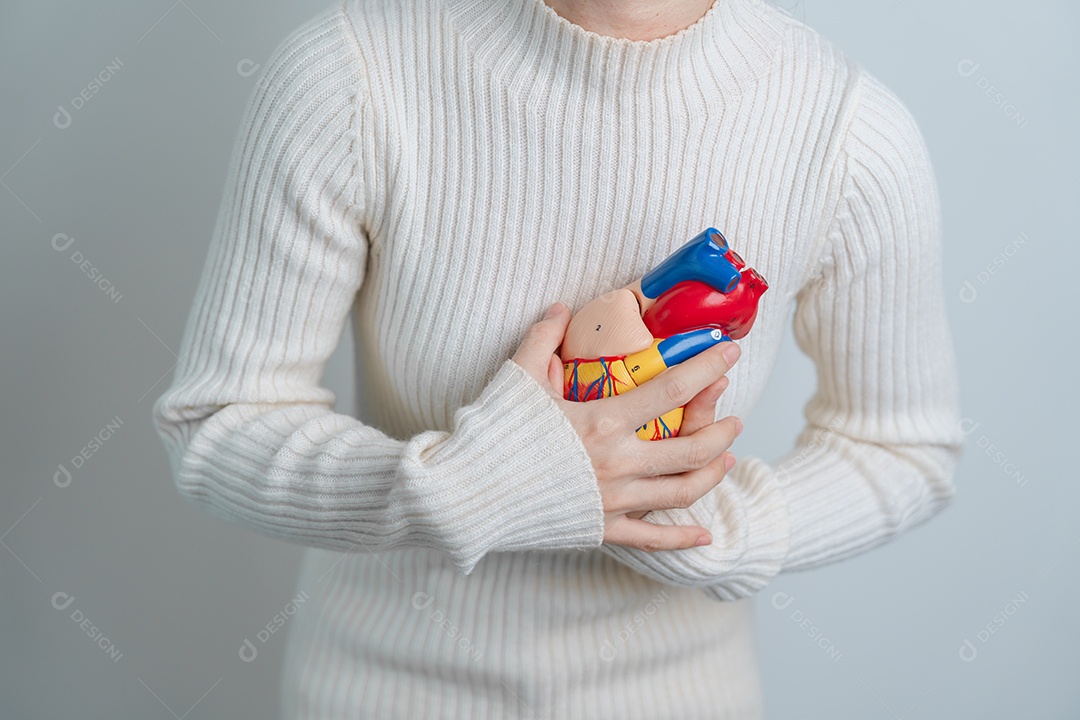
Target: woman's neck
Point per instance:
(632, 19)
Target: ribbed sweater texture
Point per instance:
(437, 173)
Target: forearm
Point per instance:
(830, 498)
(251, 434)
(302, 473)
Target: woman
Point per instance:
(443, 171)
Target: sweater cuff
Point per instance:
(764, 528)
(517, 455)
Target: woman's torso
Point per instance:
(491, 193)
(402, 634)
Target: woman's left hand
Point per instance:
(698, 413)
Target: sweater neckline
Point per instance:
(727, 49)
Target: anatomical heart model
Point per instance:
(702, 294)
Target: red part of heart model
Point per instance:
(690, 305)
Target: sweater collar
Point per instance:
(726, 50)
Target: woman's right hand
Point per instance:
(635, 475)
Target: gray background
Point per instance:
(135, 181)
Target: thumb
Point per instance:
(541, 341)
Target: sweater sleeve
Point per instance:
(251, 435)
(881, 441)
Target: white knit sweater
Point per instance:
(439, 172)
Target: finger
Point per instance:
(644, 535)
(556, 375)
(672, 388)
(542, 340)
(686, 453)
(677, 491)
(701, 411)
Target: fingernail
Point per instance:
(703, 540)
(731, 352)
(552, 311)
(729, 462)
(738, 427)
